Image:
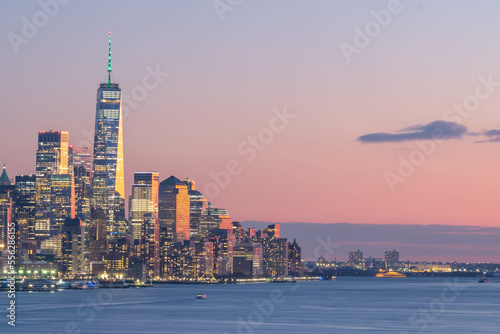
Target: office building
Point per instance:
(74, 255)
(108, 184)
(214, 218)
(82, 157)
(82, 192)
(174, 209)
(247, 259)
(62, 200)
(25, 206)
(51, 159)
(198, 205)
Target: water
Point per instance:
(347, 305)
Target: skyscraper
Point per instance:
(214, 218)
(143, 211)
(62, 199)
(108, 186)
(51, 159)
(294, 257)
(82, 192)
(25, 206)
(247, 259)
(174, 209)
(275, 256)
(73, 252)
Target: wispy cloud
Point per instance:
(492, 136)
(431, 131)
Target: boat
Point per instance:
(38, 285)
(483, 280)
(201, 296)
(390, 274)
(85, 284)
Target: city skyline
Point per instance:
(173, 233)
(239, 166)
(226, 121)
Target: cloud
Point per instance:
(430, 131)
(493, 132)
(492, 136)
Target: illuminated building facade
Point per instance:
(25, 206)
(108, 186)
(144, 200)
(391, 257)
(223, 241)
(62, 200)
(203, 259)
(356, 257)
(178, 260)
(97, 235)
(82, 157)
(214, 218)
(273, 230)
(117, 261)
(174, 209)
(74, 256)
(275, 257)
(82, 192)
(198, 205)
(239, 232)
(51, 159)
(294, 258)
(144, 222)
(247, 259)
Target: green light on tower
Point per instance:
(109, 60)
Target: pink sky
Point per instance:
(225, 79)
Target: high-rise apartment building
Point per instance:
(391, 257)
(275, 257)
(294, 257)
(356, 257)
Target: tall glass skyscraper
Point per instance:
(108, 186)
(144, 220)
(51, 159)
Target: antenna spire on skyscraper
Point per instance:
(109, 60)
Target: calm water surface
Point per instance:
(347, 305)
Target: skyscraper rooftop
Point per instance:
(4, 178)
